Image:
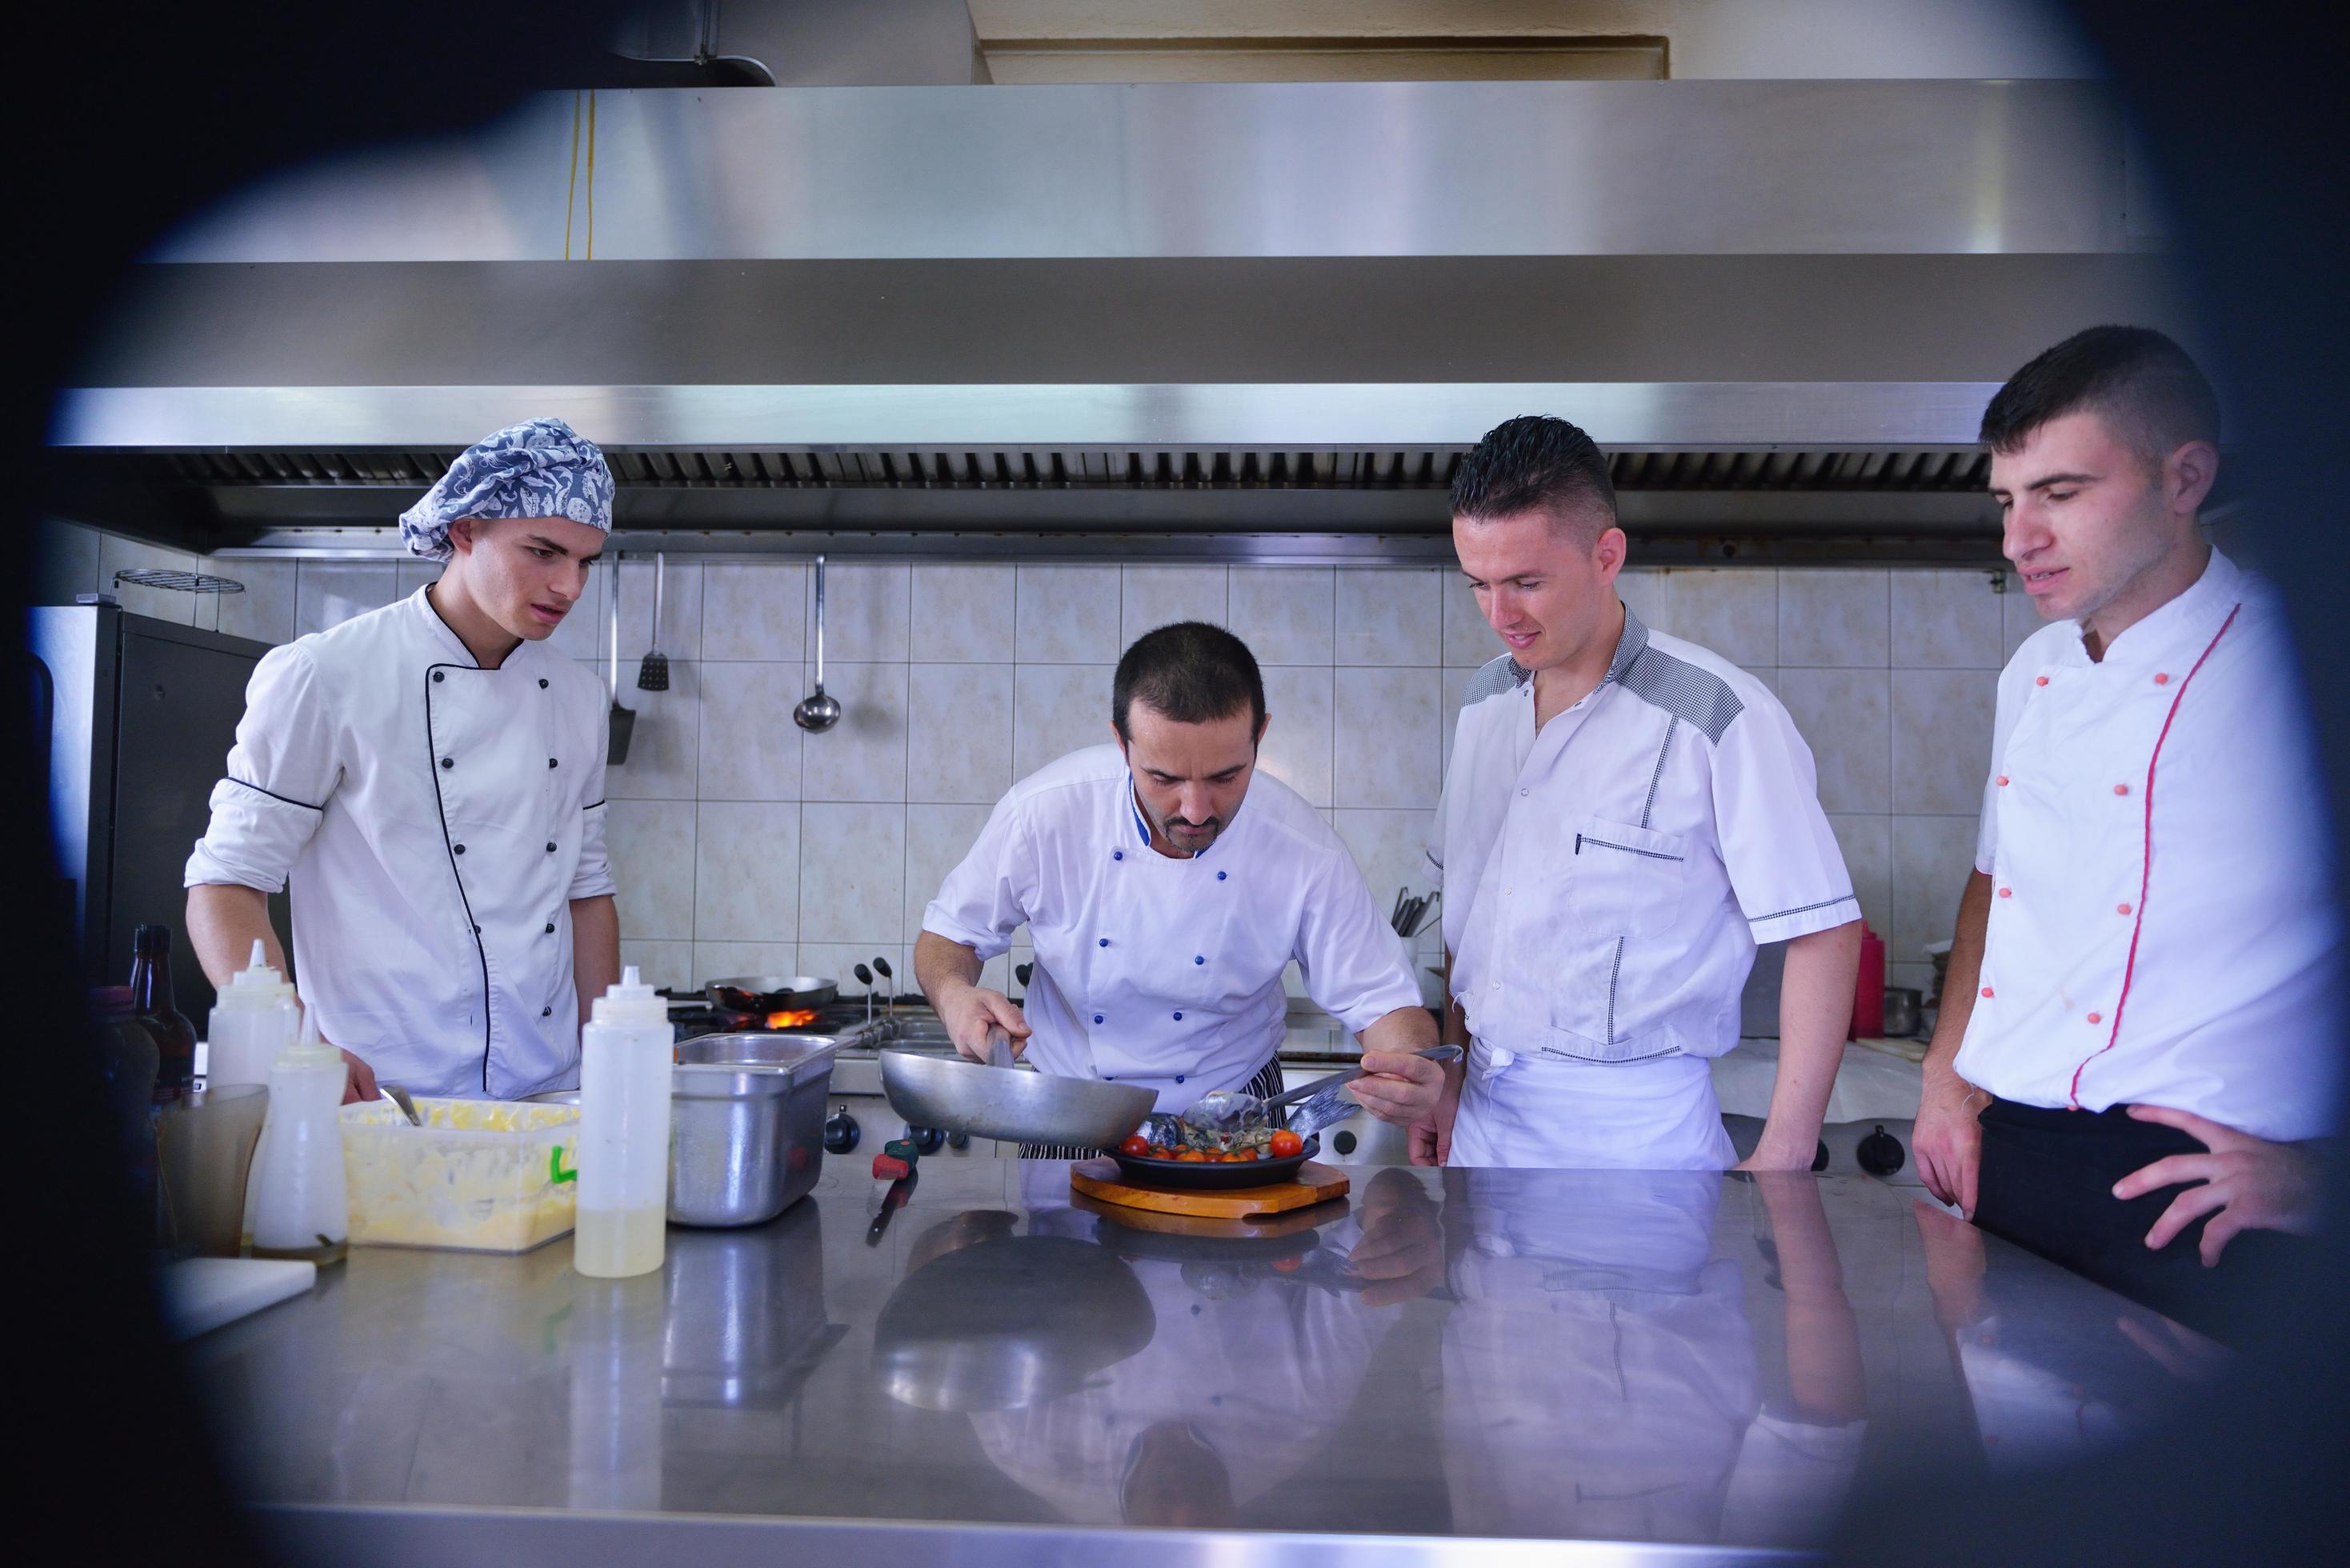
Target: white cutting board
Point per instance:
(202, 1294)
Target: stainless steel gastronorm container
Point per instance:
(746, 1124)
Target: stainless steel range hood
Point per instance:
(1257, 321)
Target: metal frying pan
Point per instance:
(763, 993)
(1001, 1101)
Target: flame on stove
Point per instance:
(796, 1018)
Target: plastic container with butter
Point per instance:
(482, 1176)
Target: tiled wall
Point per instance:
(742, 845)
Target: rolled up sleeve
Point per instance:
(987, 897)
(282, 771)
(1781, 856)
(1355, 965)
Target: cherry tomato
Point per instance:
(1286, 1143)
(1192, 1154)
(1286, 1265)
(1136, 1146)
(1243, 1154)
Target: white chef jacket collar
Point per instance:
(2192, 617)
(445, 636)
(1142, 823)
(1630, 645)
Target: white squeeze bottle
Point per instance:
(248, 1029)
(624, 1082)
(299, 1209)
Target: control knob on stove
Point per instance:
(1880, 1153)
(841, 1132)
(926, 1140)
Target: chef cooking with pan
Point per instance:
(1165, 887)
(429, 779)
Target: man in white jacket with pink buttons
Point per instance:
(2139, 1020)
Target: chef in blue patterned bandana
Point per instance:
(429, 780)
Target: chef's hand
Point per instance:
(358, 1080)
(974, 1012)
(2245, 1183)
(1431, 1140)
(1949, 1138)
(1400, 1255)
(1398, 1087)
(1954, 1265)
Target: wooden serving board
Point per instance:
(1315, 1183)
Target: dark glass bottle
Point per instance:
(127, 1058)
(150, 998)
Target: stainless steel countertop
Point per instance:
(1657, 1365)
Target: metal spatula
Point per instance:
(652, 675)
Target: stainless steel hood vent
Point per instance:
(1253, 320)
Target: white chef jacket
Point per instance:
(1606, 883)
(1167, 971)
(1599, 1372)
(2162, 926)
(434, 819)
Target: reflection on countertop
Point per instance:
(1441, 1357)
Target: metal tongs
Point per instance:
(1224, 1111)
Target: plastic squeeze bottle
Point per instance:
(299, 1207)
(624, 1084)
(248, 1030)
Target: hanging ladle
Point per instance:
(816, 711)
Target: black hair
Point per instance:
(1191, 671)
(2146, 387)
(1536, 464)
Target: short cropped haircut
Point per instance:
(1537, 463)
(2144, 386)
(1191, 671)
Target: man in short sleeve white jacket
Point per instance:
(1624, 816)
(2141, 1018)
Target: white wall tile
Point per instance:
(726, 960)
(117, 554)
(1919, 977)
(1387, 847)
(1942, 738)
(746, 883)
(68, 562)
(862, 757)
(1448, 714)
(1388, 616)
(1389, 741)
(265, 611)
(1283, 613)
(665, 746)
(1469, 636)
(959, 731)
(328, 593)
(1161, 595)
(963, 614)
(852, 873)
(756, 611)
(1069, 615)
(1732, 610)
(652, 845)
(1833, 618)
(1648, 593)
(662, 965)
(414, 572)
(838, 961)
(1867, 843)
(1844, 715)
(2020, 616)
(866, 611)
(1932, 857)
(749, 747)
(937, 839)
(681, 610)
(1057, 709)
(1947, 620)
(1297, 738)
